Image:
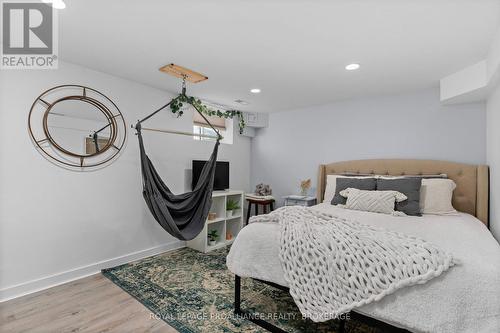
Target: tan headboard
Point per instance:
(470, 196)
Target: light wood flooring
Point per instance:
(92, 304)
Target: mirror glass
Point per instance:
(71, 124)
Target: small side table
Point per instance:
(264, 203)
(294, 200)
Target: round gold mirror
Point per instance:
(77, 126)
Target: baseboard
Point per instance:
(50, 281)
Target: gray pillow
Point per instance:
(369, 184)
(409, 187)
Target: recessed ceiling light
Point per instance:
(352, 67)
(242, 102)
(255, 90)
(57, 4)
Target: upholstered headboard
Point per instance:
(470, 196)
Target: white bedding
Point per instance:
(465, 299)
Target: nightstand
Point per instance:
(299, 200)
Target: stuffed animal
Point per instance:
(263, 190)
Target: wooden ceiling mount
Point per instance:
(183, 72)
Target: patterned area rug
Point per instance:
(194, 292)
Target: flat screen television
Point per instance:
(221, 180)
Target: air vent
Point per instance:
(242, 102)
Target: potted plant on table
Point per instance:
(231, 206)
(212, 237)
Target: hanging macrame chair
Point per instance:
(181, 215)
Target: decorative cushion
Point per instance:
(410, 187)
(331, 184)
(359, 183)
(372, 201)
(436, 195)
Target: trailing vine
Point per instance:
(178, 102)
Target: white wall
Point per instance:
(467, 84)
(413, 125)
(493, 133)
(493, 57)
(58, 224)
(493, 158)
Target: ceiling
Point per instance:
(295, 51)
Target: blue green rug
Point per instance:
(194, 292)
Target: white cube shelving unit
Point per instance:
(222, 223)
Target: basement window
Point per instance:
(204, 130)
(201, 128)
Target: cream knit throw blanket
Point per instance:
(334, 265)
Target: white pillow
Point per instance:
(373, 201)
(331, 185)
(436, 195)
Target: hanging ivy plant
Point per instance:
(178, 102)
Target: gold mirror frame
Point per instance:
(46, 144)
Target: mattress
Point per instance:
(464, 299)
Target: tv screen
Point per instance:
(221, 179)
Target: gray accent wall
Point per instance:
(413, 125)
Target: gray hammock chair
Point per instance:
(181, 215)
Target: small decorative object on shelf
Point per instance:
(229, 236)
(212, 216)
(299, 200)
(305, 185)
(212, 237)
(263, 190)
(231, 206)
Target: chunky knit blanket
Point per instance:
(333, 265)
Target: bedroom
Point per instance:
(394, 96)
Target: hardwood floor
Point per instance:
(92, 304)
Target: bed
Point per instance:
(462, 300)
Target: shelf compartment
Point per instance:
(233, 227)
(218, 207)
(220, 227)
(237, 198)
